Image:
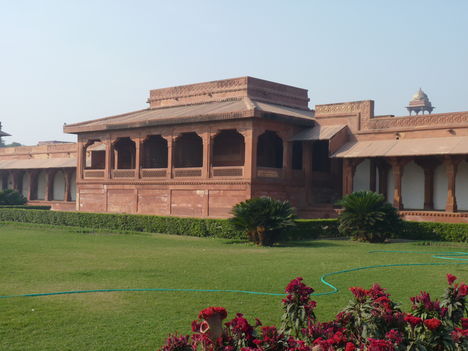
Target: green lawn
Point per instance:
(35, 259)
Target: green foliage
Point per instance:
(27, 207)
(307, 229)
(367, 217)
(435, 231)
(263, 219)
(124, 222)
(11, 197)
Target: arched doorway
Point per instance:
(270, 150)
(188, 151)
(228, 149)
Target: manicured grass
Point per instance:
(35, 259)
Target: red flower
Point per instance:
(464, 323)
(350, 346)
(212, 311)
(451, 278)
(463, 290)
(413, 320)
(359, 293)
(380, 345)
(432, 324)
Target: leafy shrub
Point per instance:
(263, 219)
(27, 207)
(11, 197)
(367, 217)
(370, 322)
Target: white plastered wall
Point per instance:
(361, 179)
(461, 186)
(412, 187)
(41, 185)
(440, 187)
(59, 186)
(25, 186)
(73, 186)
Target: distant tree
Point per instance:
(13, 144)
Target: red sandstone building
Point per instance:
(199, 149)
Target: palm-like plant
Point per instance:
(367, 217)
(263, 219)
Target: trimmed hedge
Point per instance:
(435, 231)
(27, 207)
(124, 222)
(306, 229)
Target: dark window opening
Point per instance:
(155, 152)
(228, 149)
(124, 149)
(270, 150)
(320, 159)
(188, 151)
(297, 155)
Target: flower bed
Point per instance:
(370, 322)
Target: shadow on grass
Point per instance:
(308, 243)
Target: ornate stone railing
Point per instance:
(267, 172)
(227, 171)
(93, 173)
(153, 172)
(123, 173)
(187, 172)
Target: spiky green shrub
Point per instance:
(11, 197)
(263, 219)
(367, 217)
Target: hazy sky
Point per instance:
(70, 61)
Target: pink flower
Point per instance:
(432, 324)
(451, 278)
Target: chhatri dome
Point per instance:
(420, 103)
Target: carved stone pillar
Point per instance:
(68, 176)
(349, 169)
(248, 144)
(207, 143)
(108, 160)
(397, 170)
(49, 186)
(170, 153)
(81, 160)
(137, 142)
(451, 165)
(428, 165)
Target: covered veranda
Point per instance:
(423, 175)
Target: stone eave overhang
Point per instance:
(207, 118)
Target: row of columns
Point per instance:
(250, 157)
(397, 166)
(18, 177)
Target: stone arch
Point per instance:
(155, 152)
(361, 180)
(412, 187)
(188, 151)
(73, 186)
(25, 184)
(228, 149)
(125, 150)
(461, 186)
(58, 186)
(41, 182)
(270, 150)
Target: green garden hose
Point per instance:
(452, 256)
